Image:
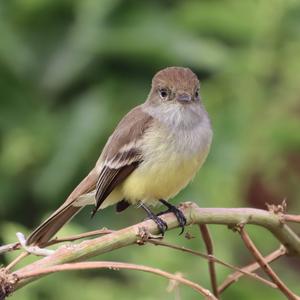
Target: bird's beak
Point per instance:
(184, 98)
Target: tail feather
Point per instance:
(47, 229)
(64, 213)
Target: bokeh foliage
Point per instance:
(69, 70)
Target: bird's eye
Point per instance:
(197, 94)
(164, 93)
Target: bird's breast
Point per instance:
(170, 160)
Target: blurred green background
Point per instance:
(69, 70)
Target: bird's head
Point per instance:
(175, 85)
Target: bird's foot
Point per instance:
(177, 212)
(161, 224)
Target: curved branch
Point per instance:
(116, 266)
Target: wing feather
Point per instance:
(122, 154)
(109, 177)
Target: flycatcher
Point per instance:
(153, 153)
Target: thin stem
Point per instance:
(234, 277)
(291, 218)
(16, 260)
(79, 236)
(265, 266)
(9, 247)
(214, 259)
(211, 264)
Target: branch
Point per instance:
(193, 214)
(211, 264)
(18, 246)
(215, 260)
(80, 236)
(291, 218)
(234, 277)
(117, 266)
(265, 266)
(9, 247)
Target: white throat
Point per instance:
(188, 127)
(178, 116)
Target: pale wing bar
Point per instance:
(124, 163)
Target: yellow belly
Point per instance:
(162, 179)
(170, 161)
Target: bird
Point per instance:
(153, 153)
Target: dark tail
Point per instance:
(42, 234)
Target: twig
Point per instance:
(211, 264)
(265, 266)
(291, 218)
(9, 247)
(79, 236)
(16, 260)
(117, 266)
(234, 277)
(214, 259)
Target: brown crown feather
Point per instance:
(181, 78)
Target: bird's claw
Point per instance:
(177, 212)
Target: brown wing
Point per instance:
(122, 154)
(109, 179)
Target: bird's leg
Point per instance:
(177, 212)
(161, 224)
